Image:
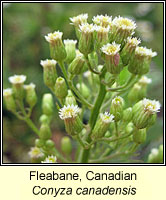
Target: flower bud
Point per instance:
(134, 93)
(83, 89)
(129, 128)
(49, 72)
(45, 132)
(156, 155)
(86, 39)
(66, 145)
(102, 125)
(129, 50)
(139, 135)
(50, 159)
(127, 115)
(117, 108)
(76, 65)
(93, 59)
(49, 144)
(31, 97)
(70, 115)
(45, 119)
(36, 154)
(140, 62)
(57, 49)
(47, 104)
(39, 143)
(17, 84)
(122, 28)
(60, 88)
(70, 99)
(9, 100)
(143, 112)
(102, 20)
(112, 58)
(70, 46)
(77, 21)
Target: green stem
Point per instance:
(60, 156)
(62, 66)
(90, 68)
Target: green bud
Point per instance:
(86, 39)
(117, 108)
(129, 128)
(70, 99)
(110, 54)
(49, 144)
(70, 115)
(102, 125)
(129, 50)
(45, 132)
(60, 88)
(9, 100)
(93, 59)
(83, 89)
(76, 65)
(47, 104)
(45, 119)
(70, 46)
(140, 62)
(139, 135)
(57, 49)
(134, 93)
(49, 72)
(66, 145)
(156, 155)
(39, 143)
(160, 155)
(31, 97)
(107, 134)
(101, 35)
(143, 112)
(127, 115)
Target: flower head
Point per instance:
(86, 28)
(102, 20)
(35, 153)
(7, 92)
(151, 106)
(118, 100)
(80, 19)
(69, 111)
(143, 51)
(68, 42)
(124, 23)
(30, 86)
(17, 79)
(106, 117)
(145, 80)
(50, 159)
(47, 62)
(111, 49)
(133, 41)
(52, 37)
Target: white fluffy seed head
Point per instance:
(7, 92)
(51, 37)
(17, 79)
(124, 23)
(145, 80)
(106, 117)
(151, 106)
(111, 49)
(47, 62)
(35, 152)
(143, 51)
(50, 159)
(80, 19)
(69, 42)
(69, 111)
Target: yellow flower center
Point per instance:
(125, 22)
(111, 49)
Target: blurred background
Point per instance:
(24, 27)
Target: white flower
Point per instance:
(35, 152)
(80, 19)
(7, 92)
(47, 62)
(17, 79)
(145, 80)
(51, 37)
(68, 41)
(117, 100)
(86, 28)
(50, 159)
(69, 111)
(133, 41)
(101, 29)
(154, 151)
(143, 51)
(124, 23)
(30, 86)
(103, 20)
(151, 106)
(106, 117)
(111, 49)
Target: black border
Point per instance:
(83, 164)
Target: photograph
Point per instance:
(83, 83)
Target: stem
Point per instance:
(62, 66)
(81, 141)
(90, 68)
(60, 156)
